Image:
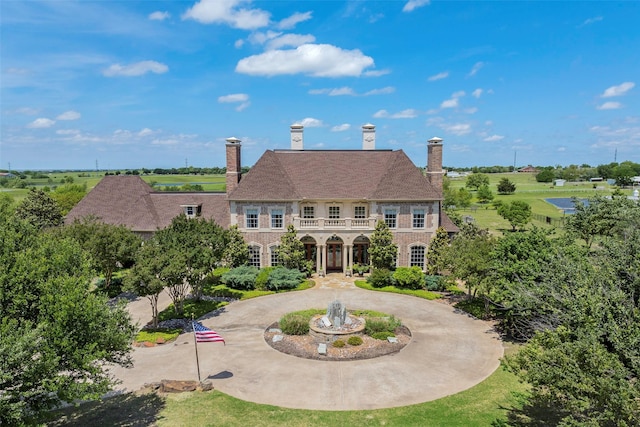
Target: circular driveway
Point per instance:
(449, 352)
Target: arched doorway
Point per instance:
(310, 249)
(361, 250)
(334, 254)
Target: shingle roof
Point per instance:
(342, 174)
(129, 201)
(447, 224)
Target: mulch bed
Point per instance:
(306, 346)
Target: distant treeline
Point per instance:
(175, 171)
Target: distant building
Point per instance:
(559, 182)
(7, 175)
(333, 198)
(528, 169)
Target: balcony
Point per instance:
(331, 224)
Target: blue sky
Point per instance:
(133, 84)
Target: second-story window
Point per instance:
(277, 218)
(334, 212)
(418, 218)
(390, 218)
(360, 212)
(308, 212)
(252, 218)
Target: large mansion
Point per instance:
(333, 198)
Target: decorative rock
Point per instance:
(160, 340)
(275, 330)
(206, 386)
(322, 348)
(325, 321)
(277, 338)
(392, 340)
(176, 386)
(148, 344)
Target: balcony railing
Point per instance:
(326, 223)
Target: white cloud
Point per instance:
(238, 43)
(561, 149)
(411, 5)
(67, 132)
(28, 111)
(290, 40)
(610, 105)
(317, 60)
(471, 110)
(69, 115)
(409, 113)
(439, 76)
(310, 122)
(293, 20)
(242, 98)
(166, 141)
(494, 138)
(452, 128)
(41, 123)
(341, 128)
(135, 69)
(476, 93)
(145, 132)
(382, 91)
(591, 21)
(476, 67)
(453, 101)
(376, 73)
(619, 90)
(227, 12)
(159, 16)
(341, 91)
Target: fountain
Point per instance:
(336, 323)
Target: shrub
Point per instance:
(158, 334)
(435, 283)
(263, 278)
(191, 309)
(379, 278)
(409, 277)
(354, 340)
(216, 275)
(294, 323)
(243, 277)
(380, 324)
(284, 278)
(383, 335)
(339, 343)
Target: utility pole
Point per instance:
(515, 154)
(615, 156)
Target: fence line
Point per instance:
(556, 222)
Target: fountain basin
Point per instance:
(329, 334)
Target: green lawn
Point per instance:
(530, 191)
(478, 406)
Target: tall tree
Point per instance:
(435, 253)
(68, 195)
(505, 186)
(485, 195)
(291, 250)
(40, 210)
(476, 180)
(382, 250)
(236, 252)
(518, 213)
(56, 337)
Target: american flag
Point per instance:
(204, 334)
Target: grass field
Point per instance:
(532, 192)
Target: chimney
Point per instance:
(233, 164)
(296, 137)
(434, 163)
(368, 137)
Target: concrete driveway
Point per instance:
(449, 352)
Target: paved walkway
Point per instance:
(449, 352)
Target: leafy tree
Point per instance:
(291, 250)
(435, 253)
(236, 252)
(110, 246)
(506, 187)
(468, 257)
(546, 175)
(382, 250)
(69, 195)
(56, 337)
(484, 194)
(40, 210)
(623, 174)
(602, 217)
(476, 180)
(518, 213)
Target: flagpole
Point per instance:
(195, 341)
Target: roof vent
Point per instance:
(368, 137)
(296, 137)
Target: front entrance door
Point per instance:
(334, 256)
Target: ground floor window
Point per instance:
(417, 256)
(254, 256)
(275, 257)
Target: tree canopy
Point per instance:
(518, 213)
(477, 180)
(382, 250)
(40, 209)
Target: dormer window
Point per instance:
(192, 211)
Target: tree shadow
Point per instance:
(531, 412)
(122, 410)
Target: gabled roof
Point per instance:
(129, 201)
(336, 174)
